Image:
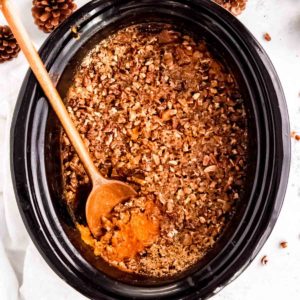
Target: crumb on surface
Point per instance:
(283, 244)
(267, 37)
(295, 136)
(264, 260)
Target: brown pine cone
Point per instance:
(9, 47)
(48, 14)
(234, 6)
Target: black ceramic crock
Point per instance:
(36, 167)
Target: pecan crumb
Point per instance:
(283, 244)
(295, 135)
(75, 33)
(267, 37)
(264, 260)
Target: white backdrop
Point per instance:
(24, 274)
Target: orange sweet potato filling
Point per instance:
(130, 238)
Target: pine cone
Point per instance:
(9, 47)
(48, 14)
(234, 6)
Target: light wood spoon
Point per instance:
(106, 194)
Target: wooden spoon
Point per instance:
(105, 193)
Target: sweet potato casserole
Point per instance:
(157, 110)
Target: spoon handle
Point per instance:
(49, 89)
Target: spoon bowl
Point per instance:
(102, 199)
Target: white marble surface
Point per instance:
(21, 265)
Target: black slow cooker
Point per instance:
(36, 164)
